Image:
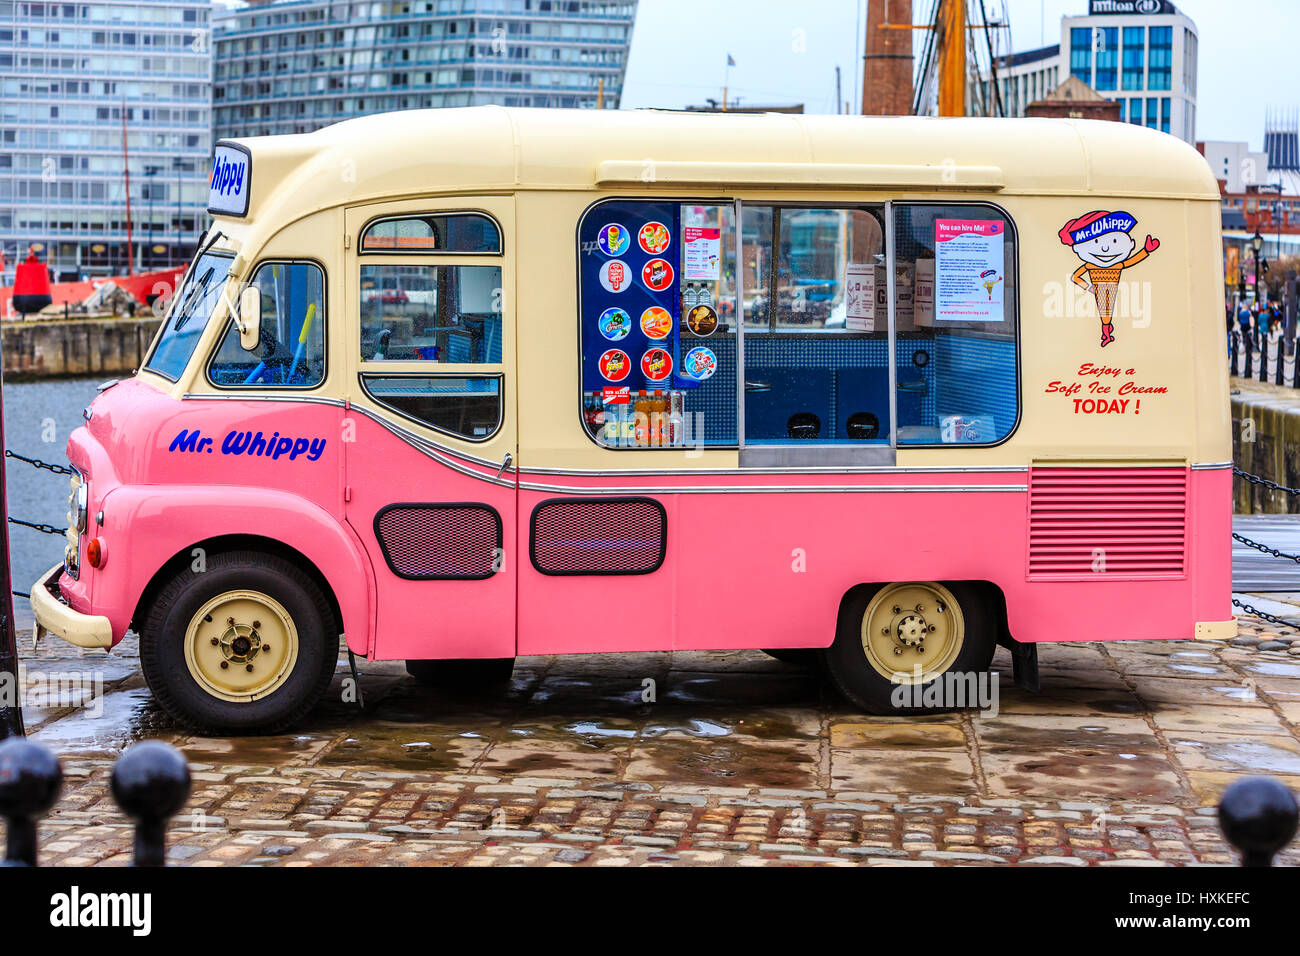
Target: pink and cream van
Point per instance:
(461, 385)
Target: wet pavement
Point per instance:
(726, 758)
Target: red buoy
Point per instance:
(31, 285)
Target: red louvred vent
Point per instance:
(433, 542)
(600, 536)
(1112, 522)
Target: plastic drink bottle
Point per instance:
(641, 424)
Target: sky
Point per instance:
(786, 51)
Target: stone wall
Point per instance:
(1265, 442)
(49, 349)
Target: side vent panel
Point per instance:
(1089, 523)
(598, 536)
(439, 541)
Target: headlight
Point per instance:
(77, 508)
(80, 505)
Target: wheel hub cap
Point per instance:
(241, 645)
(912, 629)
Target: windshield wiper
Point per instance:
(180, 311)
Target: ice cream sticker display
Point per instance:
(968, 264)
(614, 324)
(1104, 242)
(657, 275)
(702, 320)
(656, 322)
(633, 311)
(656, 365)
(614, 276)
(654, 238)
(615, 365)
(699, 364)
(613, 240)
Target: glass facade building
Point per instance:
(77, 81)
(1145, 61)
(292, 67)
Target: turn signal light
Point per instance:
(94, 553)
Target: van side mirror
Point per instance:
(250, 317)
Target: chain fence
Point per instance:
(37, 525)
(1260, 546)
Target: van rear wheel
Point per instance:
(248, 645)
(899, 647)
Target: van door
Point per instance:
(430, 428)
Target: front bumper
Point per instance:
(55, 617)
(1216, 630)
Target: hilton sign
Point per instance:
(1130, 7)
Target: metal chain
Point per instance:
(1256, 480)
(57, 469)
(43, 528)
(1264, 615)
(1262, 547)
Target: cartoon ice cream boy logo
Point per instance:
(1101, 239)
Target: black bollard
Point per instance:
(30, 781)
(151, 781)
(1258, 815)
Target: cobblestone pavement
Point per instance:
(1119, 760)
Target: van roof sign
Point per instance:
(232, 174)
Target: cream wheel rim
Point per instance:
(241, 646)
(912, 633)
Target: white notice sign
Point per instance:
(860, 297)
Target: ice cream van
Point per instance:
(451, 387)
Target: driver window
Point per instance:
(291, 350)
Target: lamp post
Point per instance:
(1256, 244)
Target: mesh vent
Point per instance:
(605, 536)
(439, 541)
(1118, 522)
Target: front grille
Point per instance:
(432, 542)
(1114, 522)
(603, 536)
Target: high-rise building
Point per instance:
(294, 66)
(1141, 54)
(88, 93)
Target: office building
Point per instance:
(291, 67)
(90, 92)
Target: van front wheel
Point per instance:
(248, 645)
(914, 647)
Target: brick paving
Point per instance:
(738, 760)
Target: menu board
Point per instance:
(702, 258)
(630, 256)
(968, 270)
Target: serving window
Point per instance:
(430, 304)
(825, 357)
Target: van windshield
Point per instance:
(190, 310)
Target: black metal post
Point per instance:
(151, 782)
(11, 709)
(1258, 816)
(30, 781)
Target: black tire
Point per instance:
(862, 685)
(162, 645)
(795, 656)
(467, 675)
